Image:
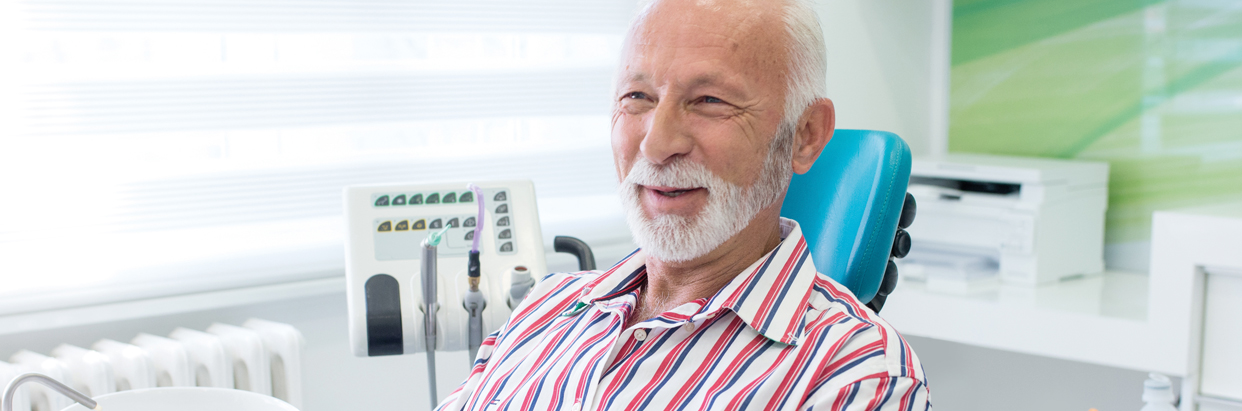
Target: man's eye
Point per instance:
(638, 95)
(712, 100)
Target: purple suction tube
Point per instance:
(478, 225)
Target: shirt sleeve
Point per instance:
(876, 394)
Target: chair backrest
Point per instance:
(848, 206)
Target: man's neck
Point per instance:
(670, 285)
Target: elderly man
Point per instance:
(717, 103)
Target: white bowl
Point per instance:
(187, 399)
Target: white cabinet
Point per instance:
(1201, 249)
(1222, 335)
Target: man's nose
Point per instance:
(666, 136)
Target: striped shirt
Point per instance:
(779, 336)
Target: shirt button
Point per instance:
(640, 335)
(689, 327)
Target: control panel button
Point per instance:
(436, 224)
(466, 197)
(468, 223)
(502, 209)
(416, 199)
(398, 200)
(501, 196)
(502, 222)
(403, 225)
(470, 235)
(385, 226)
(449, 198)
(381, 201)
(454, 222)
(421, 224)
(506, 247)
(505, 234)
(433, 198)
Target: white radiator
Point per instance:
(260, 356)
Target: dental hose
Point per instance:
(474, 302)
(429, 279)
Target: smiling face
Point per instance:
(698, 107)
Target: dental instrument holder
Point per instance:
(11, 391)
(522, 283)
(429, 277)
(386, 225)
(384, 252)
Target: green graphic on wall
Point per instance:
(1152, 87)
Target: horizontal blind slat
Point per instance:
(268, 16)
(305, 192)
(241, 103)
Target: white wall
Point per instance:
(888, 67)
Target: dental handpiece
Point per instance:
(474, 303)
(429, 275)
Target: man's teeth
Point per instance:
(674, 193)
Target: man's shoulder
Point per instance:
(860, 342)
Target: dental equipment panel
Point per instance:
(408, 244)
(1032, 220)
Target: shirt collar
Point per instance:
(771, 295)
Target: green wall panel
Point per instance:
(1153, 88)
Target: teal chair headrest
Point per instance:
(848, 206)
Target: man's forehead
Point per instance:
(708, 23)
(728, 26)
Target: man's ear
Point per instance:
(814, 130)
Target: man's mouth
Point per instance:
(671, 192)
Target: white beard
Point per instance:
(730, 207)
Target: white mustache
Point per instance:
(681, 173)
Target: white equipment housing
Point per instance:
(386, 225)
(1039, 220)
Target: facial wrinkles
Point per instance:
(747, 119)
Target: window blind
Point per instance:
(152, 147)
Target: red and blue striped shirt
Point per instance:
(779, 336)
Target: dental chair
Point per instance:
(853, 208)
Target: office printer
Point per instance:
(1030, 220)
